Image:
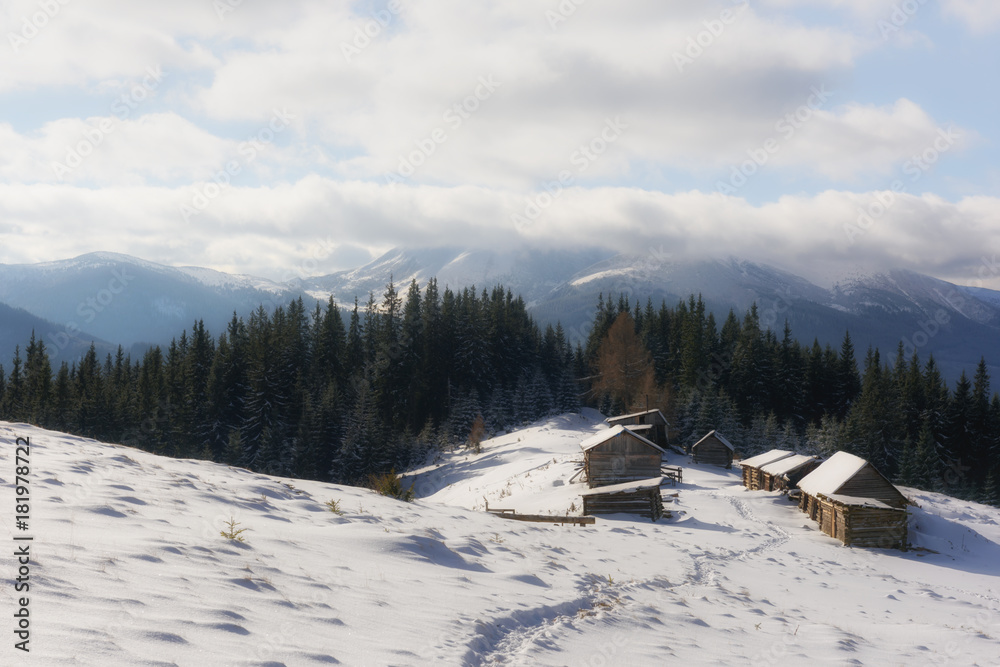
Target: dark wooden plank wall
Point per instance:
(659, 430)
(713, 452)
(621, 459)
(857, 526)
(645, 503)
(873, 527)
(868, 483)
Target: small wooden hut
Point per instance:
(641, 497)
(654, 420)
(713, 449)
(618, 455)
(862, 522)
(853, 502)
(849, 475)
(785, 473)
(753, 478)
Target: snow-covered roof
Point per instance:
(718, 436)
(627, 487)
(832, 474)
(762, 460)
(616, 418)
(860, 502)
(638, 427)
(787, 465)
(607, 434)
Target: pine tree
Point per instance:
(790, 389)
(62, 400)
(907, 474)
(980, 428)
(991, 488)
(37, 382)
(958, 441)
(848, 380)
(14, 398)
(928, 463)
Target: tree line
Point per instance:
(318, 395)
(763, 391)
(338, 396)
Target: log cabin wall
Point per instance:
(646, 502)
(713, 452)
(623, 458)
(874, 527)
(868, 483)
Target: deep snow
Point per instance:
(128, 568)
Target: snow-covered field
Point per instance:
(128, 568)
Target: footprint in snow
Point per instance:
(166, 637)
(230, 627)
(107, 511)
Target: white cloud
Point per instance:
(556, 87)
(979, 16)
(107, 150)
(84, 42)
(396, 88)
(267, 230)
(862, 140)
(552, 89)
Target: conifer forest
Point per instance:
(341, 395)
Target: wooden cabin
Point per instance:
(753, 478)
(853, 502)
(653, 420)
(641, 497)
(862, 522)
(618, 455)
(849, 475)
(713, 449)
(784, 474)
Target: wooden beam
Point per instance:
(549, 518)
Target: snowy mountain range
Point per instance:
(127, 301)
(123, 300)
(128, 567)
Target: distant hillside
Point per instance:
(957, 324)
(16, 326)
(130, 301)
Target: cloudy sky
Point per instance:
(824, 136)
